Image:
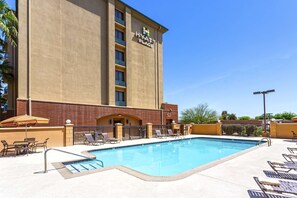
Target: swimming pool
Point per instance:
(165, 158)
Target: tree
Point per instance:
(261, 117)
(284, 115)
(8, 24)
(232, 116)
(200, 114)
(244, 118)
(224, 115)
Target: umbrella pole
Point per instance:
(26, 131)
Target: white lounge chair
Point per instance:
(159, 134)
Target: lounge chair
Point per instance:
(282, 167)
(7, 147)
(290, 157)
(292, 150)
(109, 140)
(159, 134)
(276, 186)
(90, 140)
(170, 133)
(99, 138)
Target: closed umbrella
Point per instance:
(23, 120)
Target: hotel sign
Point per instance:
(144, 37)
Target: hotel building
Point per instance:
(95, 62)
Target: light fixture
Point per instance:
(264, 104)
(68, 121)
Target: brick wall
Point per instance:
(170, 111)
(85, 115)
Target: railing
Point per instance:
(162, 128)
(120, 62)
(80, 131)
(120, 41)
(134, 132)
(120, 21)
(268, 141)
(120, 103)
(120, 82)
(47, 150)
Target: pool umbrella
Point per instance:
(23, 120)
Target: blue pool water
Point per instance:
(166, 158)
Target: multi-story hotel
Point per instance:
(95, 62)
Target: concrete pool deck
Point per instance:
(23, 176)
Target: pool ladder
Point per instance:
(268, 141)
(45, 157)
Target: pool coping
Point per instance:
(67, 174)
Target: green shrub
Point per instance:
(250, 129)
(258, 131)
(232, 128)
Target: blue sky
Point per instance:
(220, 51)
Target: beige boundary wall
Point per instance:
(58, 136)
(207, 129)
(282, 130)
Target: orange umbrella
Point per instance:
(23, 120)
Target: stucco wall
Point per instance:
(206, 129)
(146, 74)
(56, 135)
(69, 49)
(282, 130)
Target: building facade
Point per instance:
(95, 62)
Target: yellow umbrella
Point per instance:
(23, 120)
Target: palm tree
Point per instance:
(199, 115)
(8, 27)
(8, 24)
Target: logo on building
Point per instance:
(146, 31)
(144, 37)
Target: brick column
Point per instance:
(119, 131)
(273, 126)
(219, 129)
(149, 130)
(68, 136)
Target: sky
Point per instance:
(219, 52)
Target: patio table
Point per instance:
(21, 146)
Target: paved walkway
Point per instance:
(23, 176)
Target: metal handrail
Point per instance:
(45, 158)
(268, 141)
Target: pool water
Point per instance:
(167, 158)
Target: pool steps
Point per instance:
(77, 168)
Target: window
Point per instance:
(120, 57)
(120, 76)
(119, 15)
(120, 98)
(119, 35)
